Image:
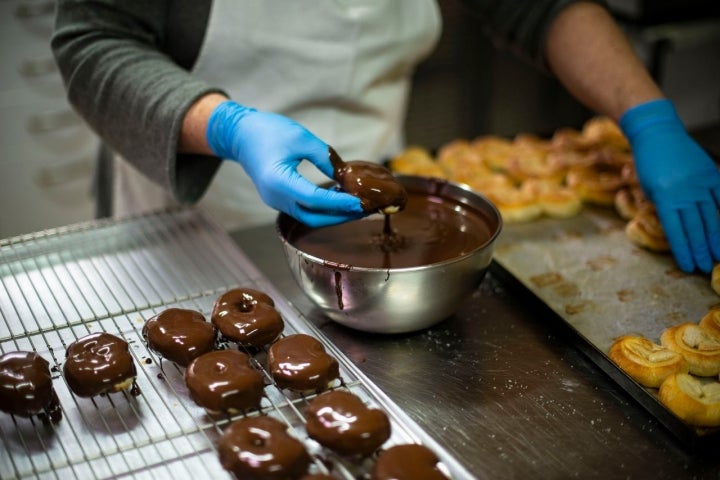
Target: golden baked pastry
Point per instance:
(416, 160)
(487, 183)
(646, 231)
(495, 151)
(694, 400)
(699, 346)
(601, 131)
(515, 205)
(597, 183)
(646, 362)
(628, 201)
(711, 321)
(715, 278)
(554, 199)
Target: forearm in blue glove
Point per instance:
(679, 177)
(270, 147)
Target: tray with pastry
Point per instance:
(582, 240)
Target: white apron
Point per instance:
(341, 68)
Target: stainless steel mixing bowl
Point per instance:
(396, 300)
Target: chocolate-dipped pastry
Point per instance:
(340, 421)
(247, 317)
(223, 381)
(179, 334)
(99, 363)
(26, 386)
(300, 363)
(375, 185)
(407, 462)
(260, 448)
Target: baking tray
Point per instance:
(587, 273)
(61, 284)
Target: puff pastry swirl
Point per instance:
(646, 362)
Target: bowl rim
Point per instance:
(437, 186)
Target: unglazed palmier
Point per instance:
(645, 361)
(695, 401)
(699, 346)
(711, 321)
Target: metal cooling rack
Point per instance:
(61, 284)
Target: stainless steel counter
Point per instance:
(503, 387)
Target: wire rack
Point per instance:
(59, 285)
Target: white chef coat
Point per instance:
(341, 68)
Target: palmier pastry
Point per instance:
(515, 205)
(416, 160)
(645, 230)
(375, 186)
(695, 401)
(300, 363)
(223, 381)
(461, 160)
(99, 363)
(248, 317)
(407, 462)
(715, 279)
(628, 201)
(601, 131)
(646, 362)
(495, 151)
(711, 321)
(26, 386)
(597, 183)
(554, 199)
(340, 421)
(260, 448)
(179, 334)
(700, 347)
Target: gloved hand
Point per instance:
(679, 177)
(270, 147)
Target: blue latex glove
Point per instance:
(270, 147)
(679, 177)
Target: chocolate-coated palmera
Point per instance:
(260, 448)
(375, 185)
(248, 317)
(26, 386)
(300, 363)
(407, 462)
(223, 381)
(340, 421)
(99, 363)
(179, 335)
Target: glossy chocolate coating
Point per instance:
(247, 317)
(374, 184)
(26, 386)
(98, 363)
(407, 462)
(179, 334)
(259, 448)
(224, 381)
(318, 476)
(300, 363)
(430, 230)
(340, 421)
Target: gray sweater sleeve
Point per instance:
(520, 25)
(125, 66)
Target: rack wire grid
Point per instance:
(111, 275)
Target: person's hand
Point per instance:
(270, 147)
(679, 177)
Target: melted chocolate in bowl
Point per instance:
(429, 230)
(436, 254)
